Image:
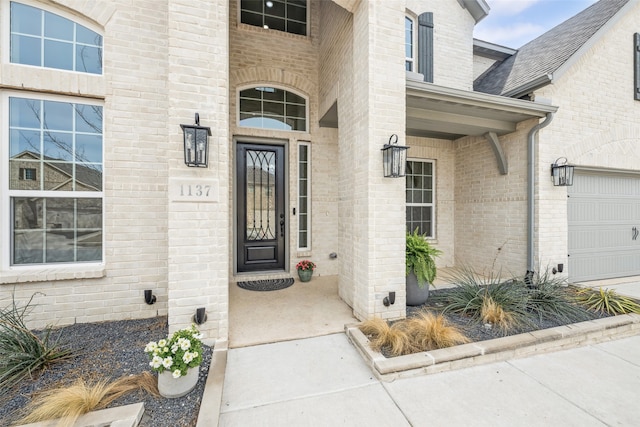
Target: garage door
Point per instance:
(604, 226)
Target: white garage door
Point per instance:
(604, 226)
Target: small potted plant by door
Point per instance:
(305, 270)
(421, 268)
(177, 360)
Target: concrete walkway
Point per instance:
(324, 381)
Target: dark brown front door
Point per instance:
(260, 208)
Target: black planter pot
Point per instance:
(415, 294)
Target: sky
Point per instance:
(513, 23)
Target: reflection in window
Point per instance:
(272, 108)
(44, 39)
(61, 140)
(55, 230)
(420, 190)
(55, 147)
(283, 15)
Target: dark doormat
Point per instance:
(266, 285)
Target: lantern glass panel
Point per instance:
(562, 175)
(201, 146)
(189, 145)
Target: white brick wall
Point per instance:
(163, 67)
(490, 208)
(146, 96)
(596, 125)
(453, 41)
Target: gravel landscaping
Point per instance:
(110, 350)
(476, 331)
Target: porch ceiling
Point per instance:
(441, 112)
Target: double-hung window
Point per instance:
(52, 147)
(44, 39)
(420, 200)
(55, 188)
(408, 44)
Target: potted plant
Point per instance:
(421, 267)
(177, 361)
(305, 270)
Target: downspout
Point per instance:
(531, 174)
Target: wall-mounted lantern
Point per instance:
(394, 158)
(562, 173)
(196, 144)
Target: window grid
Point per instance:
(272, 108)
(304, 196)
(57, 218)
(289, 16)
(408, 43)
(420, 197)
(78, 48)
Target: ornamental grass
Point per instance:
(22, 352)
(67, 404)
(422, 332)
(607, 301)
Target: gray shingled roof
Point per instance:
(544, 55)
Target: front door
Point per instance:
(261, 207)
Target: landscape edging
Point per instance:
(494, 350)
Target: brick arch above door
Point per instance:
(259, 75)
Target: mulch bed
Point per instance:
(110, 350)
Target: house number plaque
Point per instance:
(193, 190)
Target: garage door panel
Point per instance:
(605, 266)
(589, 211)
(601, 238)
(602, 211)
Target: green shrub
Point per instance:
(420, 258)
(22, 352)
(551, 299)
(487, 299)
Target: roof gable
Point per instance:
(535, 63)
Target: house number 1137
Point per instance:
(194, 190)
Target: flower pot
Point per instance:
(415, 294)
(305, 275)
(177, 387)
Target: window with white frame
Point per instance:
(408, 43)
(289, 16)
(44, 39)
(55, 190)
(304, 196)
(272, 108)
(420, 196)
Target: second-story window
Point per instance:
(44, 39)
(289, 16)
(408, 43)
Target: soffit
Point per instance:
(439, 112)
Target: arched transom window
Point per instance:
(44, 39)
(272, 108)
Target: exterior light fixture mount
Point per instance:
(200, 317)
(562, 173)
(394, 158)
(196, 144)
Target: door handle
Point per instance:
(281, 225)
(635, 233)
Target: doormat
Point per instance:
(266, 285)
